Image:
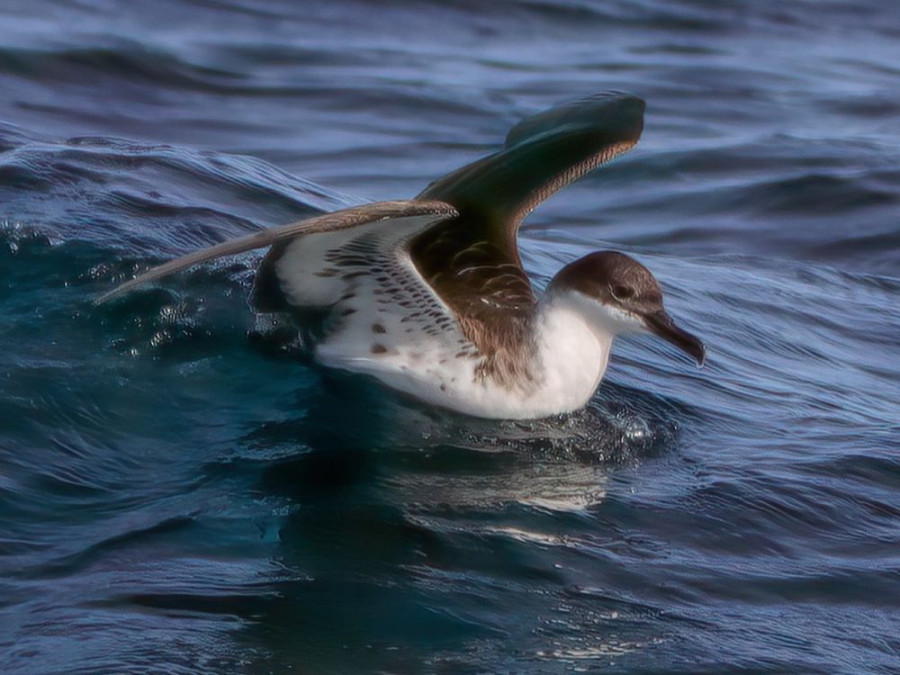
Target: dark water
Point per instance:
(178, 493)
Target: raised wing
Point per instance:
(541, 155)
(331, 222)
(472, 261)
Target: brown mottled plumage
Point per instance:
(472, 261)
(429, 295)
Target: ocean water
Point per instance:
(180, 493)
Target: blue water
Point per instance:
(180, 493)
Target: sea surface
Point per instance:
(181, 493)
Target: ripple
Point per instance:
(181, 490)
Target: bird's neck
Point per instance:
(573, 350)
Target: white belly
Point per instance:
(571, 361)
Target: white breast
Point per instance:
(571, 359)
(387, 322)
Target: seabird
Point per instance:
(429, 295)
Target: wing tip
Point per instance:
(615, 113)
(122, 288)
(103, 298)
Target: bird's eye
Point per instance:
(620, 292)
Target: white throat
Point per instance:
(573, 342)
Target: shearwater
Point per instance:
(429, 295)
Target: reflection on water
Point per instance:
(435, 458)
(405, 520)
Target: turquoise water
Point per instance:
(180, 492)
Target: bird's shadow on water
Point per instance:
(386, 494)
(357, 435)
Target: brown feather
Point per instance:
(472, 261)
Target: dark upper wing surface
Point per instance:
(472, 261)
